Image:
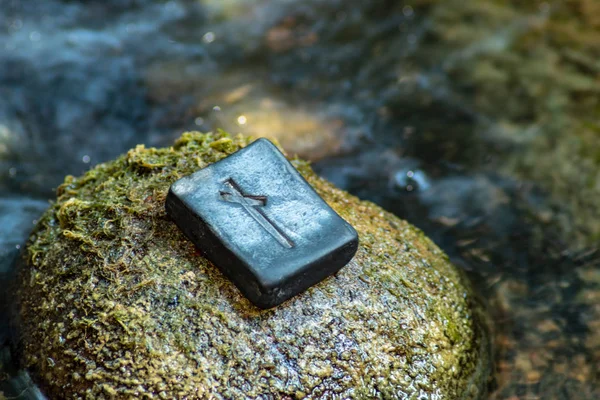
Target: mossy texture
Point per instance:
(116, 303)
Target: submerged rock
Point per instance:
(115, 301)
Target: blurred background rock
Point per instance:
(478, 121)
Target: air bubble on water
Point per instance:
(208, 37)
(35, 36)
(408, 11)
(86, 159)
(12, 172)
(412, 180)
(199, 121)
(216, 108)
(242, 120)
(18, 246)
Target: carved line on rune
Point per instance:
(232, 193)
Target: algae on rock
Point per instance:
(115, 301)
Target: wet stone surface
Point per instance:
(475, 120)
(115, 301)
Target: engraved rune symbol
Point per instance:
(233, 194)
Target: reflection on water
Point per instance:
(462, 117)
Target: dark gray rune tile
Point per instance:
(258, 220)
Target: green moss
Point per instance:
(124, 305)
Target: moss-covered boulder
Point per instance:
(116, 303)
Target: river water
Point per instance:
(476, 120)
